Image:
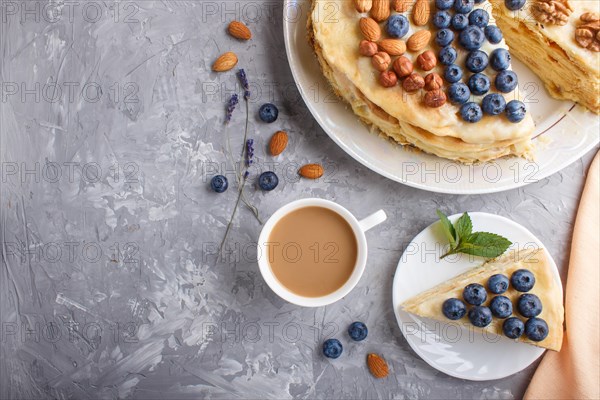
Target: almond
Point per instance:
(370, 29)
(402, 5)
(421, 12)
(380, 10)
(225, 62)
(278, 143)
(311, 171)
(394, 47)
(363, 6)
(239, 30)
(418, 40)
(377, 366)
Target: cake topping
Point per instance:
(380, 10)
(555, 12)
(454, 309)
(536, 329)
(381, 61)
(394, 47)
(435, 98)
(480, 316)
(522, 280)
(413, 83)
(501, 307)
(529, 305)
(363, 6)
(421, 12)
(433, 82)
(427, 60)
(514, 5)
(418, 40)
(513, 328)
(388, 79)
(370, 29)
(474, 294)
(367, 48)
(587, 34)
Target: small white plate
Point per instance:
(456, 351)
(564, 132)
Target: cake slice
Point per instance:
(510, 280)
(559, 40)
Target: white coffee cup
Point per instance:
(358, 227)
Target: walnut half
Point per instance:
(555, 12)
(587, 34)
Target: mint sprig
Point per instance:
(462, 239)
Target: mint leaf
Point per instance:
(464, 226)
(448, 229)
(483, 244)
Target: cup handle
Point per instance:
(372, 220)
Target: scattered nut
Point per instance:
(370, 29)
(433, 82)
(418, 40)
(381, 61)
(388, 79)
(367, 49)
(363, 6)
(311, 171)
(394, 47)
(402, 5)
(278, 143)
(377, 366)
(420, 12)
(239, 30)
(427, 60)
(380, 10)
(435, 98)
(413, 83)
(225, 62)
(403, 67)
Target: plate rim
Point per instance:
(473, 214)
(544, 173)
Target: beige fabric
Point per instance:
(574, 373)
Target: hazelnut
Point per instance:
(433, 81)
(381, 61)
(403, 67)
(368, 49)
(427, 60)
(388, 79)
(435, 98)
(413, 83)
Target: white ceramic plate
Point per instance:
(447, 347)
(564, 132)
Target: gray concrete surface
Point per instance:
(109, 284)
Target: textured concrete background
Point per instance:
(112, 125)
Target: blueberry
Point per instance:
(477, 61)
(498, 284)
(454, 309)
(268, 181)
(506, 81)
(444, 4)
(463, 6)
(460, 22)
(472, 37)
(332, 348)
(268, 113)
(441, 19)
(219, 183)
(453, 73)
(514, 5)
(513, 328)
(480, 316)
(493, 104)
(479, 18)
(358, 331)
(536, 329)
(479, 84)
(474, 294)
(447, 55)
(459, 93)
(397, 26)
(500, 59)
(501, 306)
(479, 1)
(529, 305)
(493, 34)
(515, 111)
(444, 37)
(471, 112)
(522, 279)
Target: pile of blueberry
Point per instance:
(457, 19)
(528, 306)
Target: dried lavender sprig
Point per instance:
(249, 152)
(233, 102)
(244, 81)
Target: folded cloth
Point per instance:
(574, 372)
